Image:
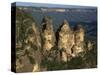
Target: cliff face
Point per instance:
(33, 46)
(28, 43)
(33, 36)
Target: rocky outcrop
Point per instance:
(66, 40)
(48, 35)
(79, 34)
(90, 44)
(70, 41)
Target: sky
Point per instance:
(51, 5)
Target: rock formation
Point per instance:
(66, 40)
(79, 34)
(48, 35)
(90, 45)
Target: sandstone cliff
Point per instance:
(28, 43)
